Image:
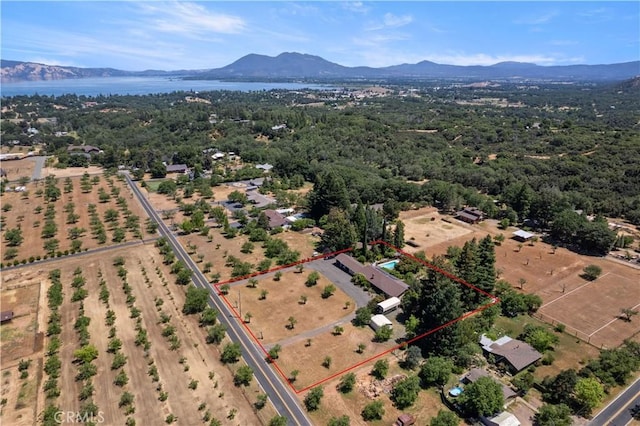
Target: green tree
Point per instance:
(591, 272)
(328, 291)
(553, 415)
(347, 383)
(216, 333)
(231, 353)
(278, 421)
(373, 411)
(195, 301)
(445, 418)
(588, 393)
(339, 421)
(383, 334)
(363, 316)
(158, 170)
(13, 237)
(398, 235)
(482, 398)
(313, 398)
(312, 279)
(329, 191)
(405, 392)
(435, 371)
(380, 369)
(339, 232)
(208, 317)
(243, 376)
(86, 354)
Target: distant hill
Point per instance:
(14, 71)
(303, 66)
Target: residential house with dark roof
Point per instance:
(470, 215)
(177, 168)
(515, 354)
(382, 281)
(475, 373)
(276, 219)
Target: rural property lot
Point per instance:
(308, 346)
(589, 310)
(270, 315)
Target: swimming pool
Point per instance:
(455, 391)
(389, 265)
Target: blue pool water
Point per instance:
(389, 265)
(455, 391)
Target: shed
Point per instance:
(387, 305)
(379, 321)
(503, 419)
(6, 316)
(521, 235)
(405, 420)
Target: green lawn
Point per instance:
(152, 185)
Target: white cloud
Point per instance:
(355, 6)
(389, 20)
(189, 19)
(537, 20)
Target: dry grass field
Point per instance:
(16, 169)
(335, 404)
(193, 360)
(270, 316)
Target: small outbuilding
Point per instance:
(405, 420)
(6, 316)
(379, 321)
(387, 305)
(503, 419)
(523, 236)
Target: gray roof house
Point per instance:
(384, 282)
(516, 354)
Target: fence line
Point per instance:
(572, 331)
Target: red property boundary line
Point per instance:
(269, 359)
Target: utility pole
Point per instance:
(240, 305)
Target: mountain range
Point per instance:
(287, 66)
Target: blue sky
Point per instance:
(137, 35)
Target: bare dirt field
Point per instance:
(193, 360)
(16, 169)
(270, 316)
(71, 171)
(426, 229)
(594, 308)
(21, 339)
(23, 215)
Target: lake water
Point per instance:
(139, 86)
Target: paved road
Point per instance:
(279, 393)
(37, 171)
(82, 253)
(618, 412)
(336, 275)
